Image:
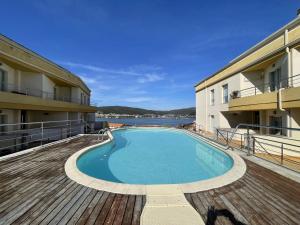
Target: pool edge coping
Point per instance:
(236, 172)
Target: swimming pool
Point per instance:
(154, 156)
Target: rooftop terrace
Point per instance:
(34, 189)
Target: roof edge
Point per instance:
(22, 47)
(272, 36)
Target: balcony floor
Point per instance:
(35, 190)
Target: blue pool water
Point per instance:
(154, 156)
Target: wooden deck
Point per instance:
(35, 190)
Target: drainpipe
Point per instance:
(288, 71)
(289, 82)
(280, 100)
(206, 105)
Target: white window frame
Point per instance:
(225, 100)
(212, 97)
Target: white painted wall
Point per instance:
(47, 87)
(75, 94)
(38, 116)
(64, 92)
(295, 55)
(32, 83)
(204, 110)
(250, 80)
(295, 122)
(280, 63)
(11, 75)
(12, 116)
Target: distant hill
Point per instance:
(138, 111)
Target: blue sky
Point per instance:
(143, 53)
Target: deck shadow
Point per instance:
(213, 214)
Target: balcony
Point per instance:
(16, 97)
(15, 89)
(265, 96)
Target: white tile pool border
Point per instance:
(237, 171)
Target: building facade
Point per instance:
(34, 89)
(261, 86)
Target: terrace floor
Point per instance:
(34, 189)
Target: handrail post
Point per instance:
(281, 158)
(241, 141)
(42, 126)
(70, 128)
(227, 137)
(248, 141)
(253, 145)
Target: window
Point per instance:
(55, 93)
(81, 98)
(225, 93)
(275, 77)
(3, 120)
(212, 97)
(3, 84)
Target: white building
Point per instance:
(34, 89)
(261, 86)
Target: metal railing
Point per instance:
(226, 137)
(289, 82)
(102, 133)
(21, 136)
(16, 89)
(266, 142)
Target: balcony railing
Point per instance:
(260, 141)
(21, 136)
(293, 81)
(16, 89)
(265, 142)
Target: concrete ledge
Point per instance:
(72, 171)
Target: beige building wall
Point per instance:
(295, 67)
(39, 116)
(251, 71)
(210, 116)
(295, 122)
(47, 87)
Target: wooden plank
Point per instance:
(84, 217)
(70, 208)
(200, 208)
(113, 210)
(129, 211)
(42, 205)
(67, 196)
(121, 210)
(93, 216)
(137, 211)
(80, 210)
(63, 206)
(258, 206)
(28, 200)
(105, 209)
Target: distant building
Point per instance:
(261, 86)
